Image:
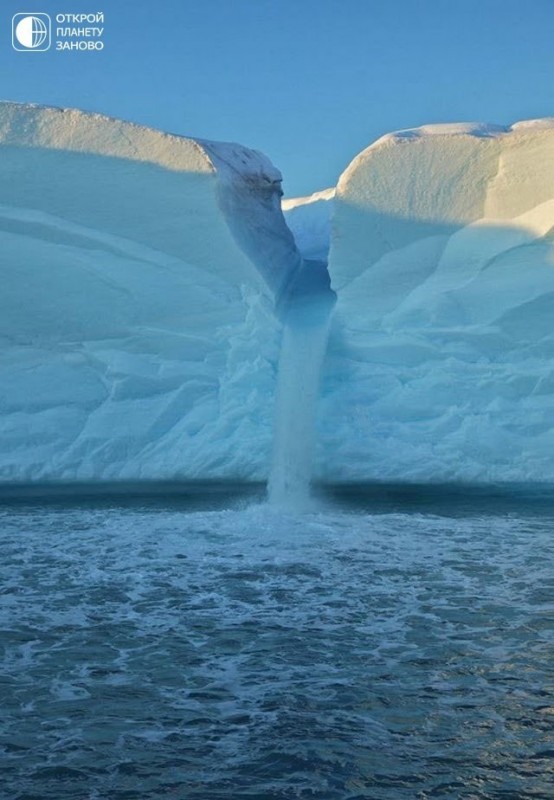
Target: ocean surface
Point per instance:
(374, 647)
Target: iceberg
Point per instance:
(440, 363)
(140, 273)
(164, 316)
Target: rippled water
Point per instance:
(162, 653)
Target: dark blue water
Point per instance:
(151, 651)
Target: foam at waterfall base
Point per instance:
(202, 654)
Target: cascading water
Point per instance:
(306, 319)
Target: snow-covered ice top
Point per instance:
(290, 203)
(100, 150)
(438, 176)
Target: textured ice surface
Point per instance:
(139, 274)
(309, 219)
(141, 271)
(441, 358)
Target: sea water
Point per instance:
(158, 650)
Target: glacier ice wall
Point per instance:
(441, 360)
(141, 273)
(139, 276)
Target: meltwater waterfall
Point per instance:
(306, 319)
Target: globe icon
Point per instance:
(31, 32)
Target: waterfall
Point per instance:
(306, 319)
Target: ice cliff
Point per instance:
(441, 361)
(139, 276)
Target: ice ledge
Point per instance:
(34, 125)
(248, 186)
(290, 203)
